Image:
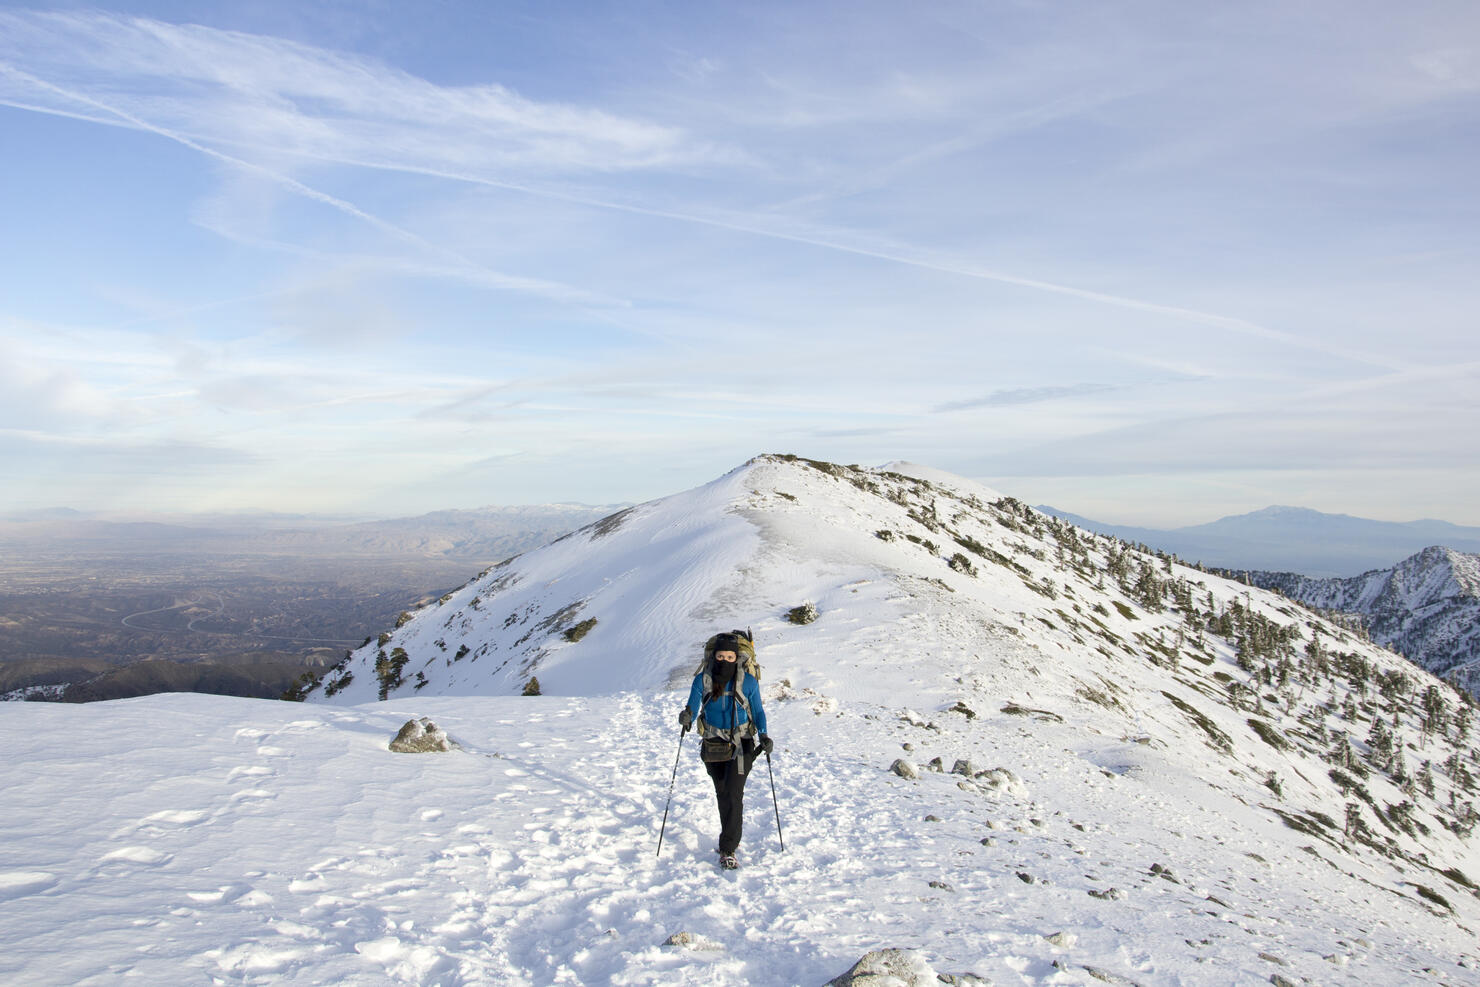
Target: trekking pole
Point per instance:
(774, 804)
(670, 790)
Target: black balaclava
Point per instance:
(724, 671)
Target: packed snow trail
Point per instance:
(205, 839)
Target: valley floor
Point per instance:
(199, 839)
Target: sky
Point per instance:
(1151, 262)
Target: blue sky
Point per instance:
(1152, 262)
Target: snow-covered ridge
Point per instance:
(1427, 607)
(920, 578)
(1127, 770)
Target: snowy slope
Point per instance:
(1174, 778)
(1426, 607)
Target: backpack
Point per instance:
(749, 665)
(747, 655)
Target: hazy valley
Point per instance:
(93, 609)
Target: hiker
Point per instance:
(726, 700)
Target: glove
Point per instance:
(766, 745)
(685, 719)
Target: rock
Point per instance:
(1280, 981)
(1003, 780)
(936, 764)
(1110, 978)
(912, 718)
(1109, 894)
(1064, 940)
(988, 841)
(692, 940)
(963, 979)
(964, 710)
(1027, 878)
(422, 737)
(1165, 873)
(889, 968)
(932, 818)
(964, 767)
(905, 769)
(941, 886)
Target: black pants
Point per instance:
(729, 792)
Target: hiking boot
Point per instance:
(728, 861)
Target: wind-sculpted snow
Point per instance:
(1127, 770)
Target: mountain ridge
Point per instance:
(1292, 539)
(1426, 607)
(990, 600)
(1025, 752)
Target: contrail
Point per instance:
(530, 285)
(903, 256)
(1228, 323)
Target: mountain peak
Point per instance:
(992, 619)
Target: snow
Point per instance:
(528, 857)
(1099, 833)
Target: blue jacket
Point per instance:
(723, 712)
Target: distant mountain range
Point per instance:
(483, 534)
(1293, 539)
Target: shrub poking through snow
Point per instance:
(574, 634)
(960, 563)
(804, 614)
(532, 687)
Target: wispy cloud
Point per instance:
(1014, 396)
(573, 240)
(461, 265)
(210, 89)
(229, 88)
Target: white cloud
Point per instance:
(804, 223)
(269, 95)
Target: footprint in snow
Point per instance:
(137, 855)
(253, 794)
(175, 817)
(249, 771)
(223, 893)
(20, 883)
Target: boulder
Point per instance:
(889, 968)
(422, 737)
(905, 769)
